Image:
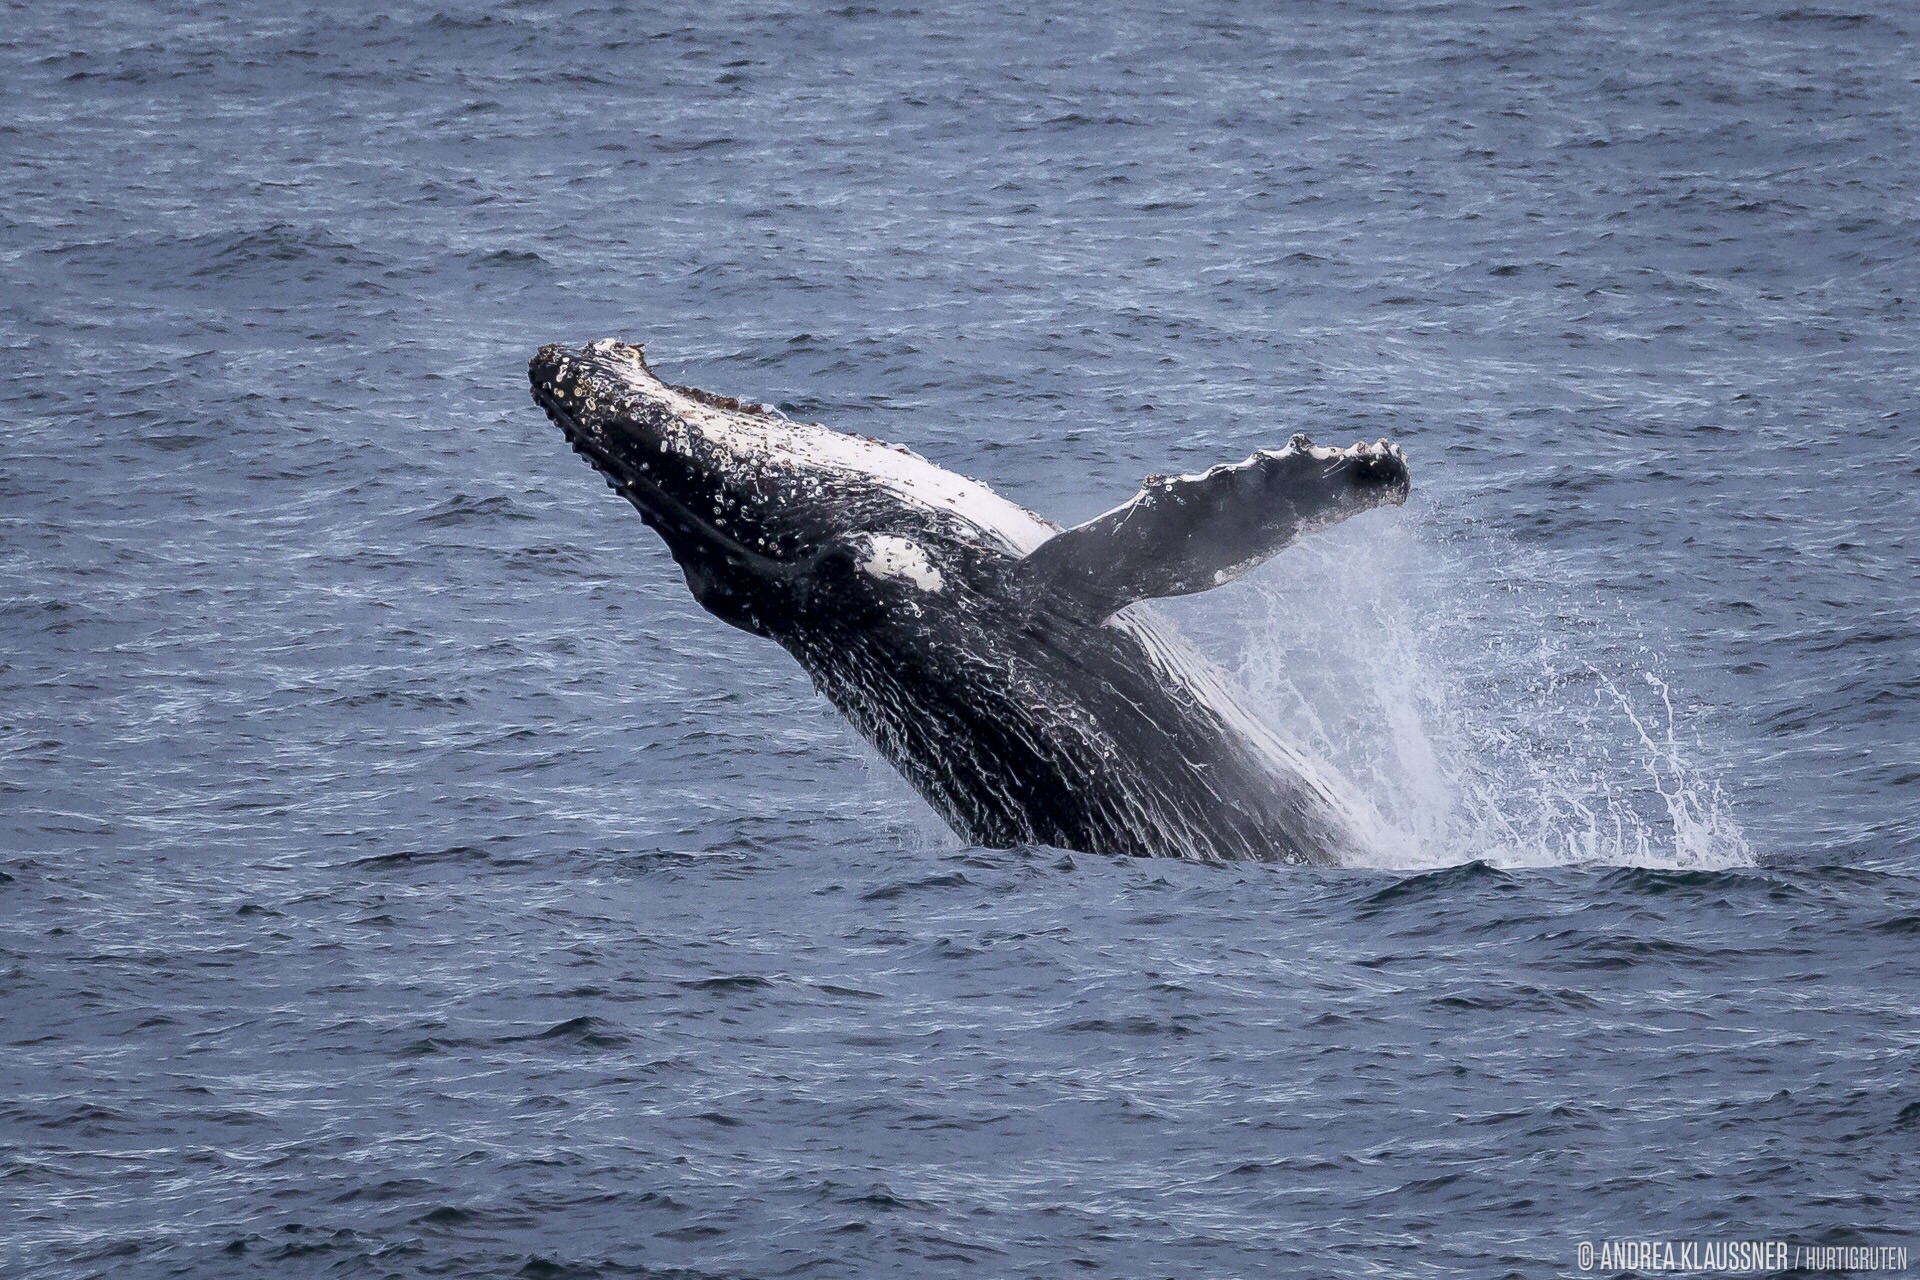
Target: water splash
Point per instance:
(1486, 713)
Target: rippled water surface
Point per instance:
(400, 874)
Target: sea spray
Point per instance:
(1487, 712)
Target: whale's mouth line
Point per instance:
(668, 515)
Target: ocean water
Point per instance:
(400, 875)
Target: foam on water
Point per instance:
(1486, 715)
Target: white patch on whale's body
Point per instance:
(902, 560)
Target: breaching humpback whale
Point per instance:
(992, 657)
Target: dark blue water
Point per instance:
(400, 875)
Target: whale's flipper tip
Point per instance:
(1183, 534)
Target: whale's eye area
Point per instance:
(895, 559)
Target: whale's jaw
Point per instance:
(621, 419)
(594, 413)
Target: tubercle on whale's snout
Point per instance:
(559, 379)
(564, 391)
(601, 366)
(613, 374)
(546, 375)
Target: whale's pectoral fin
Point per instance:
(1183, 534)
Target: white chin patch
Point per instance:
(901, 560)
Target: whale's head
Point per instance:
(759, 509)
